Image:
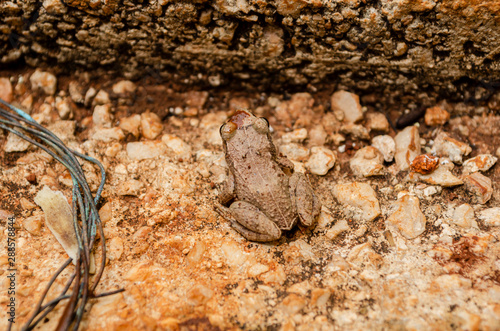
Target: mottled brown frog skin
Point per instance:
(264, 194)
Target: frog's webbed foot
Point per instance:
(308, 204)
(249, 221)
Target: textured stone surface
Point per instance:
(400, 45)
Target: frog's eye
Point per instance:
(228, 130)
(261, 125)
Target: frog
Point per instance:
(262, 195)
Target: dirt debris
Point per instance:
(182, 266)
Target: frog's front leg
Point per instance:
(227, 191)
(249, 221)
(307, 203)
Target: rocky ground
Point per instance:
(404, 240)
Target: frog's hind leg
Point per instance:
(249, 221)
(308, 204)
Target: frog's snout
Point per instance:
(241, 118)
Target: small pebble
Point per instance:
(101, 98)
(442, 176)
(367, 162)
(386, 145)
(482, 162)
(15, 144)
(407, 147)
(113, 149)
(131, 124)
(89, 96)
(424, 164)
(408, 218)
(463, 216)
(337, 229)
(355, 130)
(317, 136)
(479, 186)
(151, 125)
(64, 108)
(490, 216)
(294, 152)
(377, 122)
(106, 213)
(444, 145)
(436, 116)
(5, 89)
(349, 104)
(44, 81)
(108, 134)
(298, 135)
(142, 150)
(177, 145)
(131, 187)
(102, 116)
(76, 92)
(360, 196)
(124, 87)
(33, 224)
(321, 160)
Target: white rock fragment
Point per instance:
(108, 134)
(432, 190)
(89, 95)
(294, 152)
(15, 143)
(45, 81)
(386, 145)
(444, 145)
(377, 122)
(59, 219)
(234, 255)
(321, 160)
(349, 104)
(76, 92)
(294, 136)
(463, 216)
(101, 98)
(337, 229)
(317, 135)
(490, 216)
(141, 150)
(355, 130)
(407, 147)
(408, 218)
(177, 145)
(5, 89)
(482, 162)
(367, 162)
(33, 225)
(479, 186)
(360, 196)
(131, 187)
(442, 176)
(63, 107)
(151, 125)
(131, 124)
(102, 116)
(124, 87)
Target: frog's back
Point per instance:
(260, 181)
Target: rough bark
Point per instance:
(399, 45)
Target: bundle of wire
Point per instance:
(16, 121)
